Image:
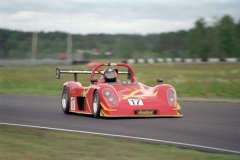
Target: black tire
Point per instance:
(65, 100)
(96, 105)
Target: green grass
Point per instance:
(23, 143)
(190, 80)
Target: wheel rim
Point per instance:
(95, 103)
(64, 100)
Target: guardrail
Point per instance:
(32, 62)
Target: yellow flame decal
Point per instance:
(84, 94)
(178, 107)
(106, 109)
(155, 93)
(133, 95)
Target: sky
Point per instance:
(112, 16)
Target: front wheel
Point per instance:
(96, 105)
(65, 100)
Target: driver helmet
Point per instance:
(110, 75)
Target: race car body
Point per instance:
(108, 96)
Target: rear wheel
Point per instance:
(96, 105)
(65, 100)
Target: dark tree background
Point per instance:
(219, 38)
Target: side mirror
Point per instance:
(159, 80)
(93, 80)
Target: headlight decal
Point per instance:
(172, 97)
(110, 97)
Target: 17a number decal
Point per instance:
(135, 102)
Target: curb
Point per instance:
(180, 60)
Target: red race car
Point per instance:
(108, 96)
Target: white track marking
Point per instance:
(129, 137)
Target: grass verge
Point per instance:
(24, 143)
(189, 80)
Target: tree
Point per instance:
(238, 38)
(196, 39)
(227, 37)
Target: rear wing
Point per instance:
(75, 72)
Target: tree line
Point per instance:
(219, 38)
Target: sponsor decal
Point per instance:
(145, 112)
(125, 90)
(112, 64)
(73, 106)
(72, 88)
(135, 102)
(58, 73)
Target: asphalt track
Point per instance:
(213, 127)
